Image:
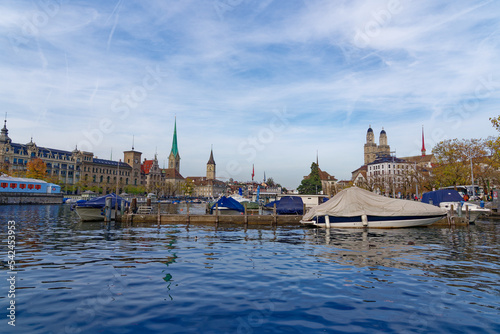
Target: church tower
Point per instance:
(383, 148)
(174, 159)
(211, 166)
(370, 146)
(133, 159)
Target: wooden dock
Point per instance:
(270, 220)
(247, 218)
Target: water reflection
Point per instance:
(459, 252)
(113, 277)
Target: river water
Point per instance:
(73, 277)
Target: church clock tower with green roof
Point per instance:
(174, 159)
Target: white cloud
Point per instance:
(224, 72)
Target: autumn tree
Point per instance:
(457, 160)
(36, 169)
(188, 187)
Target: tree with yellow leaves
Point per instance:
(36, 169)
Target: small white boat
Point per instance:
(358, 208)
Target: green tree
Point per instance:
(311, 184)
(270, 182)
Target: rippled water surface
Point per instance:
(75, 277)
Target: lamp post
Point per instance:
(472, 176)
(416, 179)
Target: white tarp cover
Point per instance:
(352, 202)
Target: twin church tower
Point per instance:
(372, 150)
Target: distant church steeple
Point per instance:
(423, 143)
(174, 159)
(211, 166)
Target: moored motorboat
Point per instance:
(288, 205)
(448, 198)
(93, 209)
(357, 208)
(227, 205)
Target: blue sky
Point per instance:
(267, 83)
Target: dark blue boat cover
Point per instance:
(271, 204)
(442, 195)
(230, 203)
(100, 202)
(290, 205)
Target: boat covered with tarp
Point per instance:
(442, 195)
(93, 209)
(356, 207)
(227, 205)
(290, 205)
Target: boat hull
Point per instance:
(474, 210)
(374, 221)
(92, 214)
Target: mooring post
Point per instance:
(275, 216)
(107, 209)
(159, 214)
(188, 219)
(246, 213)
(467, 214)
(133, 205)
(216, 214)
(116, 207)
(452, 221)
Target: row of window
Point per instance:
(108, 179)
(375, 173)
(30, 186)
(376, 167)
(105, 171)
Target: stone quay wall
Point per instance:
(26, 198)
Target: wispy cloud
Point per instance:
(224, 68)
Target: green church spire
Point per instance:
(175, 150)
(174, 159)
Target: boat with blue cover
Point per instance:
(446, 198)
(227, 205)
(288, 205)
(93, 209)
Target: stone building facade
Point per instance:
(73, 170)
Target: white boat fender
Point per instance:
(364, 220)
